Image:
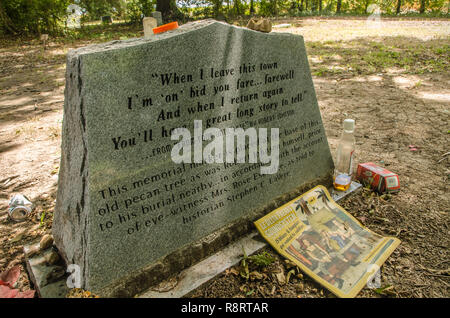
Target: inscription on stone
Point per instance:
(122, 202)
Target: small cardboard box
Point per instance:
(379, 179)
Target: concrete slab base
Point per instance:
(198, 274)
(49, 280)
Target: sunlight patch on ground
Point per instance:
(405, 82)
(13, 101)
(438, 97)
(374, 78)
(316, 60)
(335, 30)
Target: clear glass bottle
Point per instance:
(344, 158)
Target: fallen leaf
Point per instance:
(10, 277)
(18, 237)
(273, 290)
(291, 272)
(6, 292)
(281, 278)
(256, 275)
(232, 271)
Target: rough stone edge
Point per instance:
(142, 279)
(72, 195)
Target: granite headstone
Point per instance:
(158, 16)
(107, 19)
(126, 214)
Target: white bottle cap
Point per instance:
(349, 125)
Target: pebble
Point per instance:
(33, 251)
(46, 242)
(52, 258)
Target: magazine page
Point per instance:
(326, 242)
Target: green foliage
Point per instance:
(95, 9)
(41, 223)
(136, 10)
(262, 260)
(266, 8)
(25, 16)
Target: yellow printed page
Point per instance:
(326, 242)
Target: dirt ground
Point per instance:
(392, 78)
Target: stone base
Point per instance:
(200, 273)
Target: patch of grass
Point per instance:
(263, 259)
(260, 260)
(103, 33)
(369, 57)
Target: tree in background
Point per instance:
(169, 10)
(33, 17)
(338, 6)
(252, 7)
(136, 10)
(422, 6)
(399, 6)
(217, 7)
(95, 9)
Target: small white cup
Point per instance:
(149, 23)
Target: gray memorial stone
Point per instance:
(126, 214)
(107, 19)
(158, 16)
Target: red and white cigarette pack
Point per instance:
(379, 179)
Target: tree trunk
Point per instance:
(338, 7)
(217, 7)
(237, 7)
(168, 9)
(252, 8)
(301, 6)
(320, 5)
(422, 6)
(399, 6)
